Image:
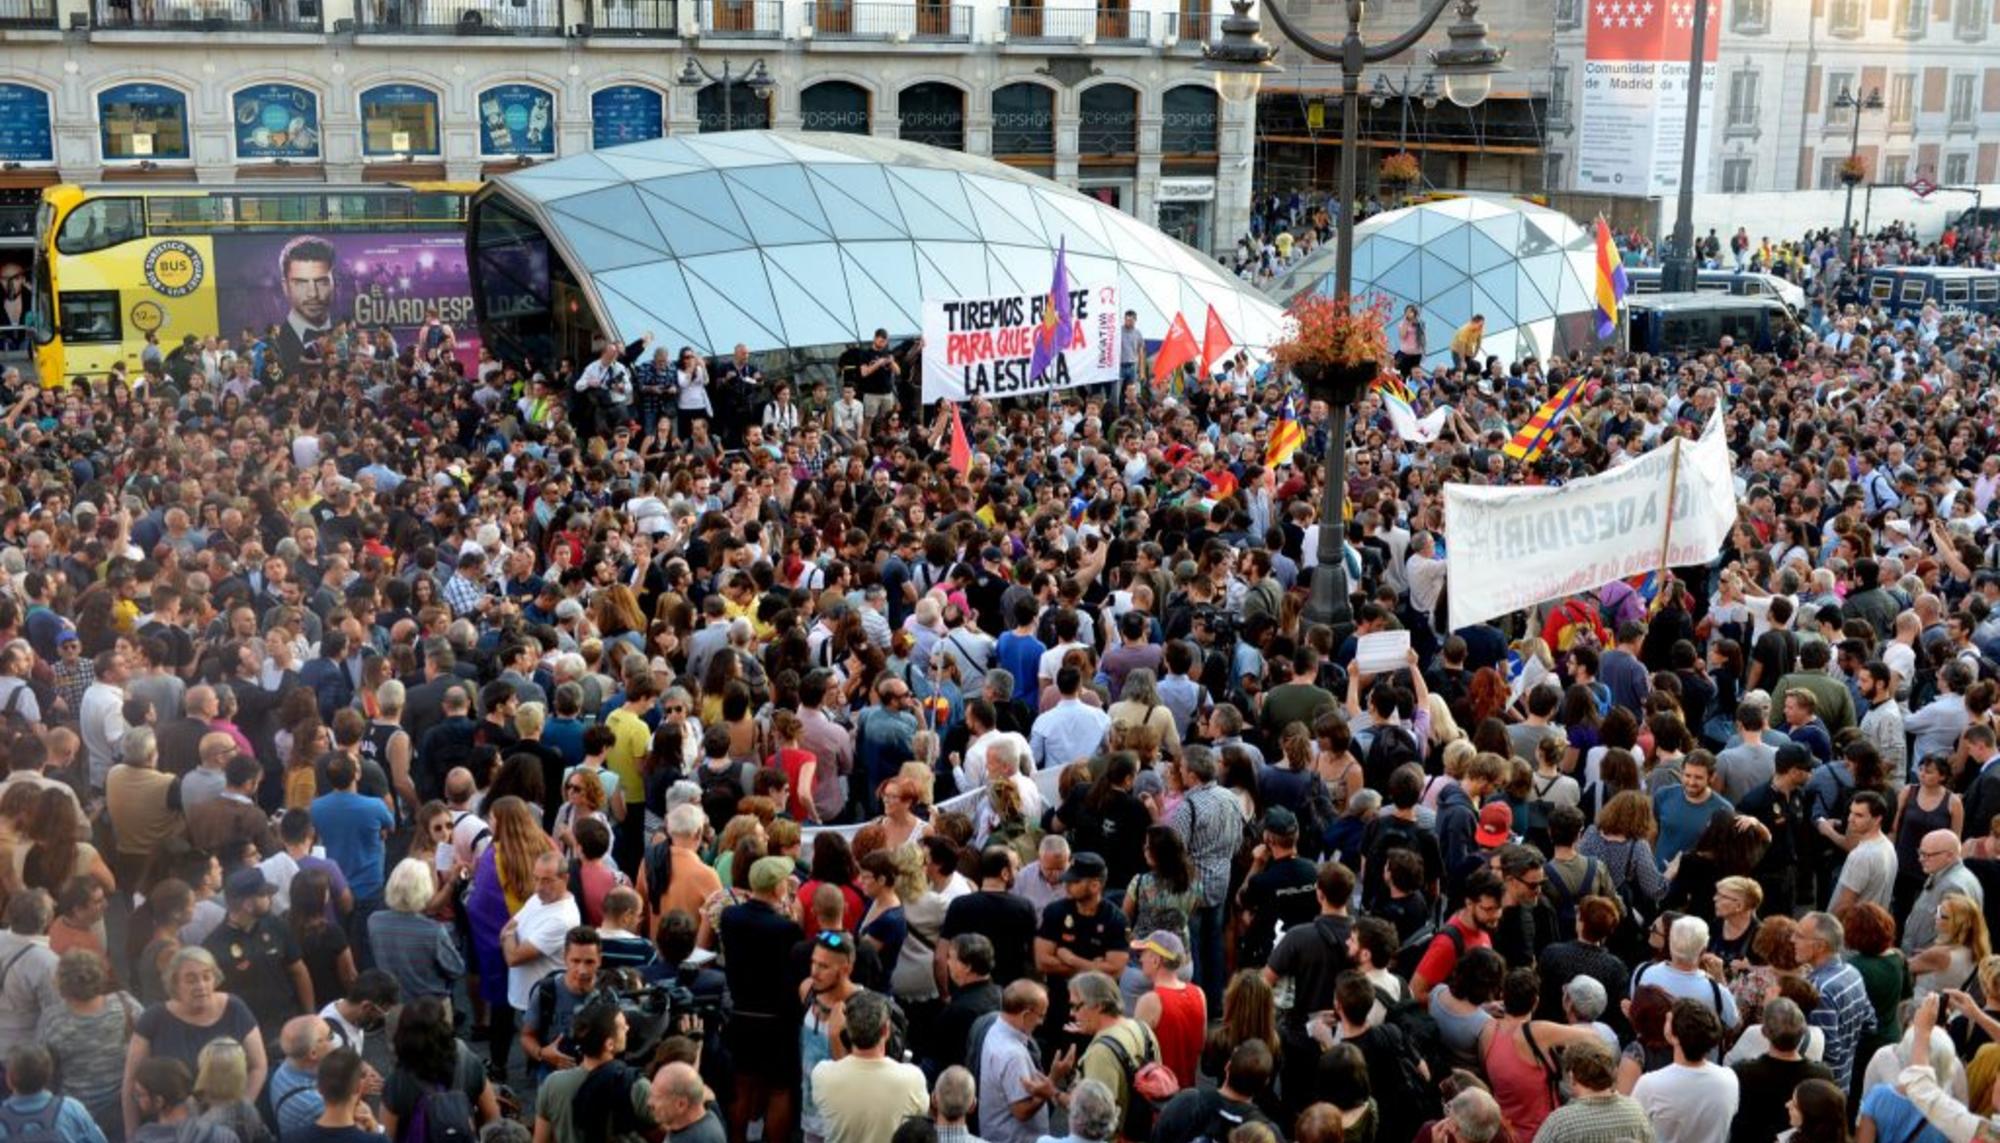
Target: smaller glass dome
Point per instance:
(1526, 267)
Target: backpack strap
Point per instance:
(11, 962)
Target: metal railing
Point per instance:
(637, 18)
(283, 16)
(1035, 24)
(460, 17)
(27, 13)
(873, 20)
(1196, 23)
(754, 19)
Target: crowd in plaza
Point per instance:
(671, 749)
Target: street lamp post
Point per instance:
(1677, 274)
(757, 79)
(1240, 59)
(1386, 89)
(1854, 107)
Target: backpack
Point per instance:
(442, 1115)
(39, 1127)
(1391, 832)
(1565, 897)
(1411, 953)
(1629, 940)
(1222, 1121)
(1150, 1084)
(1392, 747)
(11, 717)
(1423, 1041)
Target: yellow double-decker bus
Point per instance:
(280, 265)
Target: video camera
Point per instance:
(658, 1010)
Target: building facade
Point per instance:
(1497, 146)
(1781, 69)
(1104, 99)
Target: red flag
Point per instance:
(961, 449)
(1176, 350)
(1656, 31)
(1214, 340)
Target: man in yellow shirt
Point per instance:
(627, 754)
(1465, 343)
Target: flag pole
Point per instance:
(1667, 532)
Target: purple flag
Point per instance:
(1058, 325)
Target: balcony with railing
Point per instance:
(1034, 24)
(457, 17)
(637, 19)
(1195, 23)
(280, 17)
(25, 14)
(922, 22)
(742, 19)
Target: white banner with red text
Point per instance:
(983, 348)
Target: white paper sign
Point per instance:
(1514, 547)
(1382, 652)
(982, 347)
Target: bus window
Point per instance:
(1956, 291)
(101, 223)
(1685, 331)
(1986, 290)
(91, 317)
(1743, 325)
(1913, 291)
(195, 213)
(1881, 288)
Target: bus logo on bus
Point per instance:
(174, 268)
(148, 317)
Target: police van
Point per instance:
(1697, 323)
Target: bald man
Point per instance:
(1944, 873)
(181, 731)
(206, 781)
(679, 1103)
(295, 1098)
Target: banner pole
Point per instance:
(1673, 489)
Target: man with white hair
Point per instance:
(1471, 1116)
(1845, 1013)
(673, 876)
(983, 734)
(1944, 871)
(953, 1099)
(678, 1103)
(1584, 1001)
(1681, 974)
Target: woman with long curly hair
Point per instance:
(503, 878)
(430, 1058)
(1249, 1012)
(58, 851)
(1487, 695)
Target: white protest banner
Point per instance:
(981, 347)
(1514, 547)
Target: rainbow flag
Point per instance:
(1287, 434)
(1390, 385)
(1535, 436)
(1612, 285)
(1058, 325)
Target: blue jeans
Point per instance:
(1205, 929)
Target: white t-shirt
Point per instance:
(542, 925)
(279, 869)
(1689, 1105)
(1871, 870)
(865, 1100)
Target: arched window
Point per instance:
(276, 121)
(1108, 120)
(517, 119)
(835, 105)
(29, 136)
(933, 113)
(626, 113)
(143, 121)
(747, 110)
(399, 119)
(1024, 120)
(1188, 118)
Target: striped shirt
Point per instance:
(1844, 1012)
(1606, 1118)
(1210, 820)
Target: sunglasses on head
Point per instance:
(831, 940)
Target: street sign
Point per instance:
(1922, 187)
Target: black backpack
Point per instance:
(1392, 747)
(1564, 897)
(1422, 1041)
(1411, 953)
(442, 1115)
(1391, 832)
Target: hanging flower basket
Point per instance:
(1853, 170)
(1401, 169)
(1336, 345)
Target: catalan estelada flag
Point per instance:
(1612, 285)
(1535, 436)
(1057, 328)
(1287, 434)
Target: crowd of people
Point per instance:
(437, 752)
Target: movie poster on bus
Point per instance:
(1633, 109)
(306, 284)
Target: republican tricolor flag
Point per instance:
(1612, 285)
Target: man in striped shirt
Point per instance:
(1844, 1010)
